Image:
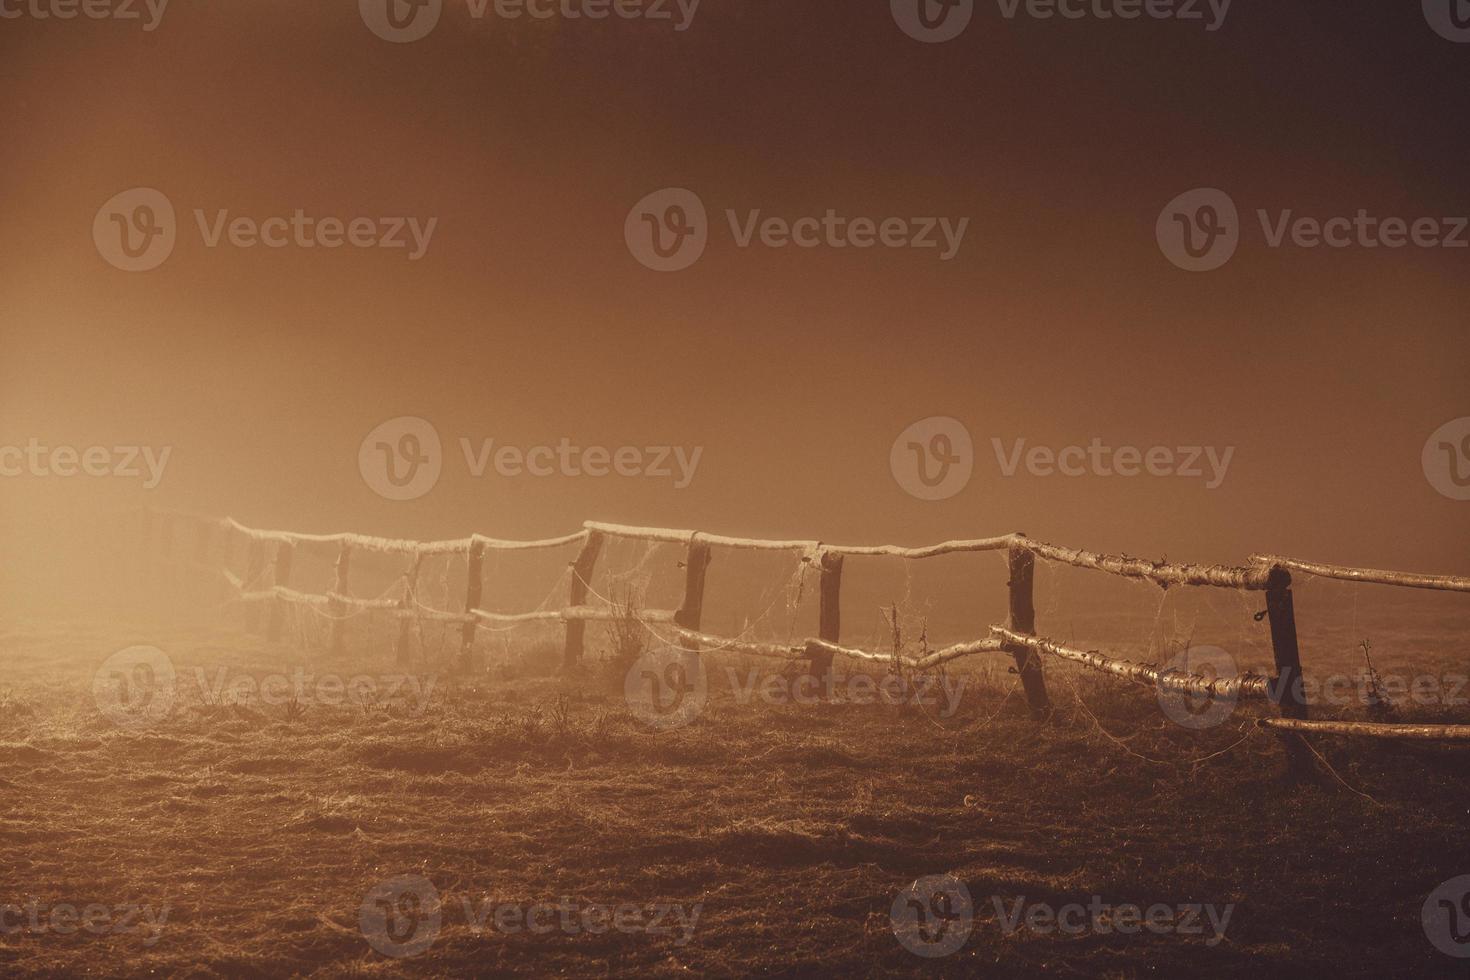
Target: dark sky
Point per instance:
(527, 320)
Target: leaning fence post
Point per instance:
(577, 595)
(337, 605)
(405, 606)
(691, 610)
(282, 580)
(829, 614)
(1022, 563)
(254, 569)
(1289, 693)
(473, 592)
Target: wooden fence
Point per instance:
(1271, 575)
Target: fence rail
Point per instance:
(1269, 574)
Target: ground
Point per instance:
(262, 827)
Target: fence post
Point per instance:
(282, 580)
(1022, 563)
(581, 576)
(473, 592)
(1289, 694)
(691, 610)
(337, 606)
(829, 614)
(254, 568)
(405, 606)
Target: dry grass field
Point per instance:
(240, 836)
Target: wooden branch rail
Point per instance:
(1372, 576)
(1244, 685)
(1269, 574)
(1429, 733)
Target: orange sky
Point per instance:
(527, 320)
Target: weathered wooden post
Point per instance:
(581, 577)
(337, 606)
(1290, 694)
(282, 580)
(405, 607)
(829, 615)
(254, 569)
(691, 610)
(473, 593)
(1022, 564)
